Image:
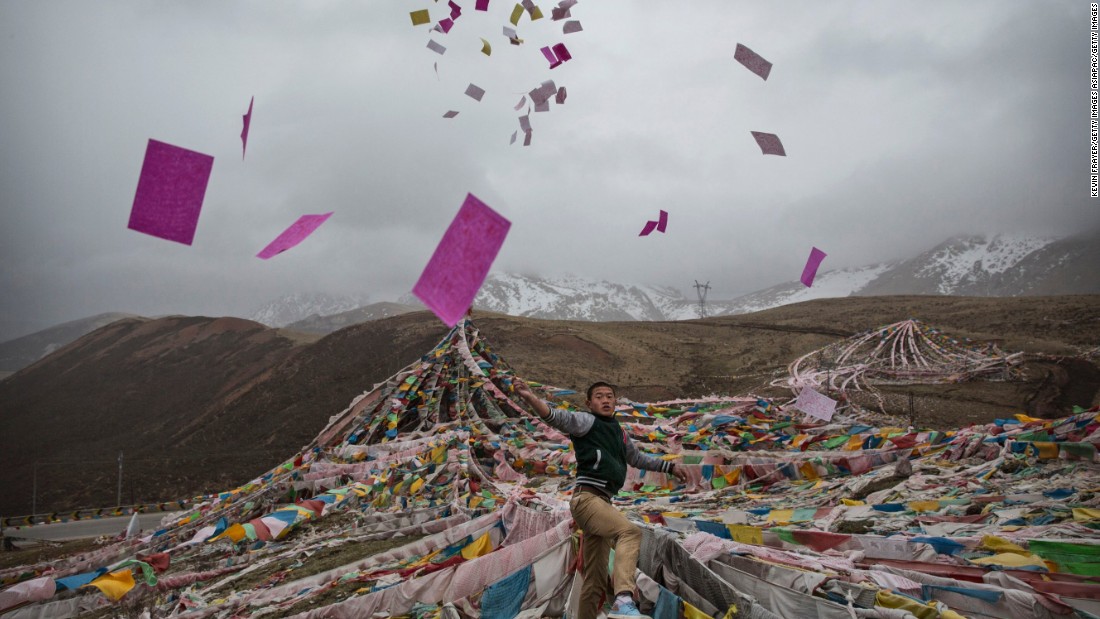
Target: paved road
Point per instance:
(85, 528)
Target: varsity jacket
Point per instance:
(603, 450)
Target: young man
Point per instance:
(603, 452)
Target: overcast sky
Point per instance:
(904, 123)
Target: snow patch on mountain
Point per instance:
(826, 285)
(294, 307)
(967, 260)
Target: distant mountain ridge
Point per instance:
(299, 306)
(23, 351)
(335, 322)
(999, 266)
(965, 265)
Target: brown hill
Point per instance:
(202, 404)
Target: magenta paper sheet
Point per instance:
(295, 234)
(170, 192)
(808, 273)
(462, 260)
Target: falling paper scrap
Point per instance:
(456, 11)
(513, 38)
(244, 131)
(522, 100)
(562, 53)
(458, 267)
(562, 10)
(170, 192)
(474, 92)
(769, 143)
(532, 9)
(752, 61)
(513, 140)
(556, 54)
(571, 27)
(815, 405)
(420, 17)
(659, 225)
(550, 57)
(445, 25)
(450, 114)
(295, 234)
(543, 93)
(486, 48)
(481, 5)
(517, 12)
(808, 273)
(436, 47)
(560, 97)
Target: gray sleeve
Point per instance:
(573, 424)
(639, 460)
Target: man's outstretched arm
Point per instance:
(573, 424)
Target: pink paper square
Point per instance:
(752, 61)
(462, 260)
(295, 234)
(815, 404)
(170, 192)
(769, 143)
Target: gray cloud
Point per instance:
(904, 124)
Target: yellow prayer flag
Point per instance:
(746, 534)
(924, 506)
(808, 471)
(733, 476)
(416, 485)
(235, 533)
(115, 584)
(781, 516)
(1000, 544)
(1022, 418)
(852, 502)
(1047, 451)
(1011, 559)
(480, 547)
(690, 612)
(1081, 514)
(855, 443)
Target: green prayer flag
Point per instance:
(784, 534)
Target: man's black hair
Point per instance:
(593, 387)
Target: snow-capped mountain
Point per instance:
(294, 307)
(334, 322)
(576, 298)
(827, 284)
(1002, 265)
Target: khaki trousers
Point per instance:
(604, 528)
